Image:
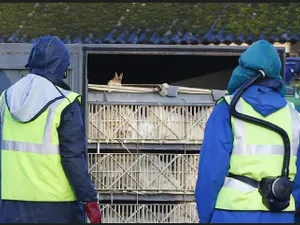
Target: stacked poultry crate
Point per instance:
(146, 150)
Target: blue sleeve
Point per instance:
(296, 182)
(214, 160)
(73, 149)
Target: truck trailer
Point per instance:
(142, 177)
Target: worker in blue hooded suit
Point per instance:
(232, 146)
(44, 175)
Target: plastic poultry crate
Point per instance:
(149, 213)
(147, 124)
(145, 173)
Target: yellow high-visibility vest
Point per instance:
(257, 152)
(31, 168)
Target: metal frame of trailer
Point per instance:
(13, 58)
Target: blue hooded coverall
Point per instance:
(266, 97)
(49, 58)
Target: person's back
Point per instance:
(244, 149)
(44, 177)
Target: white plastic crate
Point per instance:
(147, 124)
(151, 172)
(149, 213)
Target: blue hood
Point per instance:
(264, 96)
(261, 55)
(49, 58)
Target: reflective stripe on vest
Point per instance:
(257, 152)
(30, 156)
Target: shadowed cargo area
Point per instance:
(132, 115)
(191, 71)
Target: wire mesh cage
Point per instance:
(147, 124)
(149, 213)
(145, 173)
